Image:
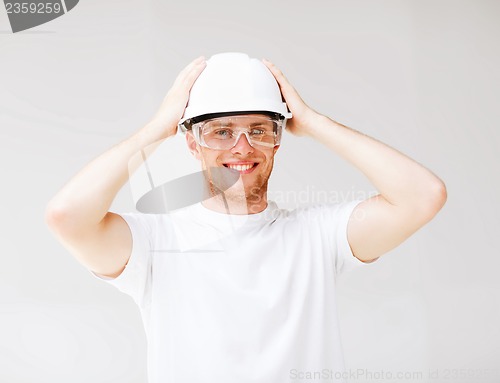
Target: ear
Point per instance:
(193, 147)
(276, 147)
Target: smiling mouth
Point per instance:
(242, 168)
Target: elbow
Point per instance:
(54, 217)
(58, 219)
(435, 199)
(65, 222)
(440, 195)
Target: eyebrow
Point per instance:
(229, 123)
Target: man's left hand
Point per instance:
(303, 117)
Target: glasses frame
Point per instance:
(197, 127)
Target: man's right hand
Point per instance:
(174, 103)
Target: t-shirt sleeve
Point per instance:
(345, 259)
(330, 222)
(135, 279)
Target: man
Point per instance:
(234, 289)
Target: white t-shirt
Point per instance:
(239, 298)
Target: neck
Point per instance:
(239, 205)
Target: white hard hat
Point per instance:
(233, 83)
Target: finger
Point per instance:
(192, 75)
(193, 65)
(274, 70)
(283, 82)
(179, 92)
(290, 94)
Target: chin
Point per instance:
(247, 191)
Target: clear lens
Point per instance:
(223, 133)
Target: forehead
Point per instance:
(242, 118)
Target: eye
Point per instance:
(223, 133)
(257, 132)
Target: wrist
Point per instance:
(161, 128)
(313, 123)
(152, 133)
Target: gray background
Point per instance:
(421, 76)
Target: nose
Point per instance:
(242, 145)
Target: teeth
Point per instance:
(240, 168)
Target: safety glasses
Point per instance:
(224, 132)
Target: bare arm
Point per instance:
(410, 195)
(78, 214)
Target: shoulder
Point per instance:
(147, 221)
(316, 212)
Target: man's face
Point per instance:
(250, 166)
